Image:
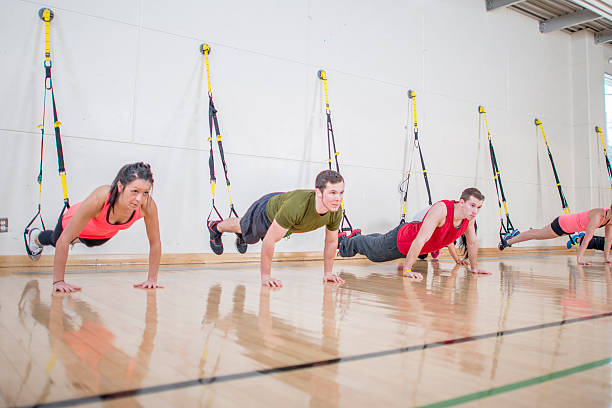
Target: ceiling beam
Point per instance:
(601, 7)
(603, 36)
(493, 4)
(568, 20)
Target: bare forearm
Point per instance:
(473, 255)
(267, 252)
(329, 252)
(584, 244)
(59, 261)
(453, 253)
(413, 253)
(154, 259)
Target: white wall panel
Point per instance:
(131, 86)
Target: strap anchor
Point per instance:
(41, 14)
(205, 48)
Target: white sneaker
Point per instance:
(34, 250)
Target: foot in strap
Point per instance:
(33, 249)
(341, 241)
(575, 239)
(354, 233)
(512, 234)
(241, 244)
(435, 254)
(503, 244)
(422, 256)
(215, 237)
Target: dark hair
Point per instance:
(472, 192)
(327, 176)
(126, 175)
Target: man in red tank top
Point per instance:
(445, 221)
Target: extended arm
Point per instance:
(275, 233)
(595, 218)
(434, 218)
(151, 219)
(472, 247)
(608, 242)
(453, 253)
(331, 245)
(88, 209)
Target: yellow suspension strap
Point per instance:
(213, 124)
(416, 146)
(566, 209)
(506, 230)
(331, 144)
(46, 15)
(603, 145)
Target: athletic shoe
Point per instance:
(503, 244)
(512, 234)
(353, 233)
(505, 237)
(241, 244)
(576, 238)
(33, 249)
(435, 254)
(341, 239)
(215, 237)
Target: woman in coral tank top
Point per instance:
(107, 210)
(566, 224)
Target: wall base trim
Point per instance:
(12, 261)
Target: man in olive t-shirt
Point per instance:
(276, 215)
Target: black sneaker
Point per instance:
(341, 239)
(503, 244)
(215, 238)
(241, 244)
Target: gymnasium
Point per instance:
(343, 203)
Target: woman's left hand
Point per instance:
(148, 284)
(479, 271)
(580, 261)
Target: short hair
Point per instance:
(472, 192)
(327, 176)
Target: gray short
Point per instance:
(255, 223)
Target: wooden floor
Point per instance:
(538, 332)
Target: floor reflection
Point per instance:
(84, 346)
(271, 341)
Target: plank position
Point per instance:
(445, 221)
(587, 221)
(276, 215)
(92, 222)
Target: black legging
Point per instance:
(50, 237)
(597, 243)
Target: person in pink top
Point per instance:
(566, 224)
(106, 211)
